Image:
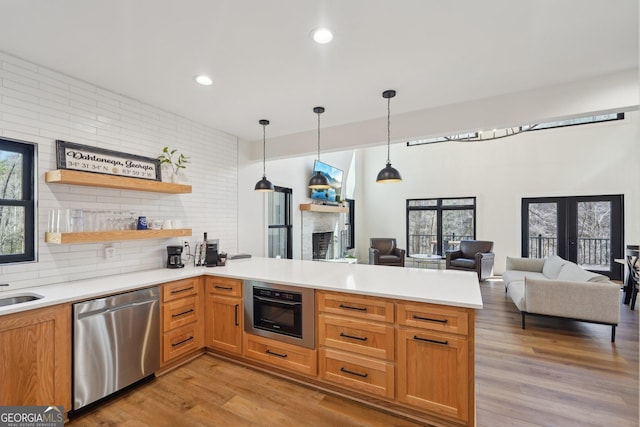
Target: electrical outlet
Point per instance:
(109, 252)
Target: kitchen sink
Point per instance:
(17, 299)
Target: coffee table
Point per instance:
(426, 260)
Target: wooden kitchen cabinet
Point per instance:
(35, 355)
(283, 355)
(435, 368)
(224, 314)
(181, 313)
(356, 336)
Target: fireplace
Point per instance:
(322, 244)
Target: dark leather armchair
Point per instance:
(473, 255)
(383, 251)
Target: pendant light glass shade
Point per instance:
(264, 185)
(389, 173)
(319, 181)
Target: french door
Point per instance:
(587, 230)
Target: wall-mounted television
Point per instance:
(334, 176)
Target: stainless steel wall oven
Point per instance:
(280, 312)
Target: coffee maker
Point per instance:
(211, 259)
(174, 257)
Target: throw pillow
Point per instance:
(552, 266)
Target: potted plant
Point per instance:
(175, 163)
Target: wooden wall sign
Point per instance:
(99, 160)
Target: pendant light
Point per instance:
(388, 174)
(318, 181)
(264, 185)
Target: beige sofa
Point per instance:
(556, 287)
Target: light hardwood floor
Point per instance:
(555, 373)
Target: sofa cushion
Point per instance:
(517, 275)
(464, 262)
(552, 266)
(516, 292)
(574, 273)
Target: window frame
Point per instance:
(29, 153)
(439, 208)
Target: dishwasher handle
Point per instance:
(107, 310)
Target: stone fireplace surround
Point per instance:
(321, 222)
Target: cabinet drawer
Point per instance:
(180, 289)
(434, 317)
(363, 307)
(180, 342)
(283, 355)
(357, 372)
(359, 336)
(224, 286)
(180, 312)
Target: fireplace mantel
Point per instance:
(323, 208)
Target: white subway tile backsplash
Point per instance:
(41, 106)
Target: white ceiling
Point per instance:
(264, 65)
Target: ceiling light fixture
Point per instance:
(388, 174)
(203, 80)
(322, 35)
(264, 185)
(318, 181)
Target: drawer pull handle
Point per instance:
(225, 288)
(276, 354)
(181, 342)
(177, 291)
(417, 338)
(342, 334)
(357, 374)
(429, 319)
(191, 310)
(348, 307)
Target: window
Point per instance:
(501, 133)
(280, 229)
(17, 201)
(435, 226)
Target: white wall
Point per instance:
(38, 105)
(594, 159)
(292, 173)
(591, 159)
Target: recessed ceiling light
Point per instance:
(321, 35)
(203, 80)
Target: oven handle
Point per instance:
(276, 301)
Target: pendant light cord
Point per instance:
(318, 135)
(264, 151)
(388, 130)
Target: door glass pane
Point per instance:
(12, 230)
(594, 235)
(543, 229)
(277, 208)
(10, 175)
(456, 225)
(423, 232)
(278, 242)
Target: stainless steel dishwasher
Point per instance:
(116, 342)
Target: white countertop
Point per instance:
(446, 287)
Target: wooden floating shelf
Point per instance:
(108, 236)
(310, 207)
(64, 176)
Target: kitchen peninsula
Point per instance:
(400, 339)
